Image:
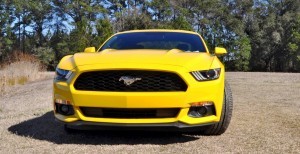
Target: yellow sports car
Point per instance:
(144, 79)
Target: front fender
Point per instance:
(67, 63)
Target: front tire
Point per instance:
(220, 127)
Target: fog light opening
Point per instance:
(64, 109)
(201, 109)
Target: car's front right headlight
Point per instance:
(62, 75)
(206, 75)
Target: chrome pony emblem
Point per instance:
(128, 80)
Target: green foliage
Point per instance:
(46, 55)
(104, 31)
(259, 35)
(242, 54)
(181, 23)
(59, 43)
(80, 41)
(135, 20)
(161, 9)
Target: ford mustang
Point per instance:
(144, 79)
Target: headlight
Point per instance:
(211, 74)
(62, 75)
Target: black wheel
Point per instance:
(220, 127)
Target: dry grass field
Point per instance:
(21, 69)
(266, 119)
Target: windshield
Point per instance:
(156, 40)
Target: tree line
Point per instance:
(259, 35)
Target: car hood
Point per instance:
(189, 60)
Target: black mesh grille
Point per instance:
(113, 80)
(129, 113)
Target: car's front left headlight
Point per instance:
(206, 75)
(62, 74)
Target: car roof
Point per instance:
(158, 30)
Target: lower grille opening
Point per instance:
(129, 113)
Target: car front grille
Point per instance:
(129, 113)
(144, 81)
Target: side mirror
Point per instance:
(90, 49)
(220, 51)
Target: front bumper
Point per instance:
(197, 92)
(174, 126)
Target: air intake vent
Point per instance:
(130, 81)
(129, 113)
